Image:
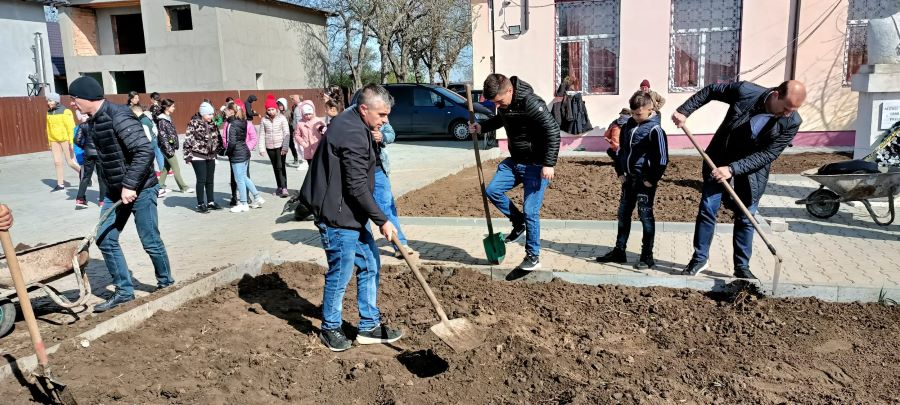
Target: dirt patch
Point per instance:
(587, 188)
(255, 342)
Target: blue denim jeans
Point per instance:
(635, 193)
(510, 174)
(385, 200)
(705, 227)
(244, 183)
(157, 152)
(147, 222)
(347, 250)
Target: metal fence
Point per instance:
(23, 120)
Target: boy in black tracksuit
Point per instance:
(643, 157)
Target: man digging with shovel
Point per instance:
(533, 147)
(759, 125)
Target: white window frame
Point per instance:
(584, 40)
(701, 61)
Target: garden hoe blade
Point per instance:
(460, 334)
(494, 243)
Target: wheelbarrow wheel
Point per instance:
(822, 203)
(7, 316)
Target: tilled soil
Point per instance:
(587, 188)
(255, 342)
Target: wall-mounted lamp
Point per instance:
(515, 29)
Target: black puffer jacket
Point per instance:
(126, 155)
(236, 139)
(733, 145)
(532, 132)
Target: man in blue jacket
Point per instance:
(339, 189)
(533, 147)
(759, 125)
(642, 159)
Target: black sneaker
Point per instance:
(232, 202)
(334, 339)
(516, 233)
(614, 256)
(645, 262)
(112, 302)
(694, 268)
(379, 334)
(202, 208)
(530, 263)
(214, 206)
(743, 272)
(57, 188)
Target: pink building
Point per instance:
(610, 46)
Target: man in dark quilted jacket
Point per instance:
(126, 159)
(533, 137)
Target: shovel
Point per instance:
(494, 245)
(52, 388)
(778, 259)
(460, 334)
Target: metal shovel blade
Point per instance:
(55, 390)
(460, 334)
(495, 248)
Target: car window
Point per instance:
(451, 95)
(401, 95)
(425, 98)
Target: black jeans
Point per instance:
(277, 160)
(87, 171)
(293, 148)
(634, 192)
(205, 171)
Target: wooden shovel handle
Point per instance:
(24, 301)
(487, 210)
(421, 279)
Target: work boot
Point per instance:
(516, 233)
(530, 263)
(646, 261)
(695, 267)
(743, 272)
(378, 334)
(334, 339)
(614, 256)
(114, 301)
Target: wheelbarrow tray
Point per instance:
(855, 187)
(44, 263)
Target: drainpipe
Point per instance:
(493, 38)
(524, 16)
(795, 37)
(39, 61)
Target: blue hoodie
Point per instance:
(643, 150)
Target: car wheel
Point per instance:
(459, 130)
(7, 316)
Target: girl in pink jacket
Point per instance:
(310, 130)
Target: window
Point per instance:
(179, 18)
(95, 75)
(858, 15)
(587, 44)
(705, 43)
(131, 80)
(425, 98)
(128, 34)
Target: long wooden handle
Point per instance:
(24, 301)
(421, 279)
(487, 211)
(744, 210)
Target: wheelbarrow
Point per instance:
(835, 189)
(43, 264)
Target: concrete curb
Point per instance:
(135, 316)
(561, 224)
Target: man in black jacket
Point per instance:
(126, 161)
(759, 125)
(533, 137)
(339, 191)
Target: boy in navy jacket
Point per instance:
(642, 159)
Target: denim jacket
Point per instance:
(389, 135)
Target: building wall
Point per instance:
(644, 41)
(283, 43)
(228, 44)
(18, 22)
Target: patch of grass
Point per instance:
(883, 300)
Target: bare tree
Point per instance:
(448, 31)
(393, 24)
(349, 27)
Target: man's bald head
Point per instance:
(787, 98)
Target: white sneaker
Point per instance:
(189, 191)
(240, 208)
(162, 193)
(259, 200)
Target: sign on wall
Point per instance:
(890, 113)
